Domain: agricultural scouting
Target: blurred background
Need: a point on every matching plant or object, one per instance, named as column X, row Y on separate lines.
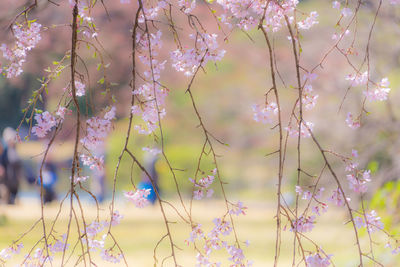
column 224, row 95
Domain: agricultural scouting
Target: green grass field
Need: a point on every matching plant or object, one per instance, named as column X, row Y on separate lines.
column 141, row 229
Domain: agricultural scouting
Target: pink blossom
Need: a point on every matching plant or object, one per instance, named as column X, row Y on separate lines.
column 346, row 12
column 93, row 162
column 303, row 224
column 238, row 209
column 27, row 37
column 373, row 222
column 45, row 121
column 380, row 93
column 358, row 79
column 98, row 129
column 264, row 114
column 107, row 255
column 309, row 21
column 197, row 232
column 317, row 260
column 336, row 4
column 337, row 198
column 309, row 99
column 78, row 179
column 80, row 88
column 304, row 132
column 354, row 153
column 139, row 197
column 116, row 218
column 352, row 123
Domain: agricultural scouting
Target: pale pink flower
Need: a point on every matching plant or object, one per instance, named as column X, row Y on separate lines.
column 346, row 12
column 336, row 4
column 116, row 218
column 303, row 224
column 351, row 122
column 139, row 197
column 238, row 209
column 45, row 121
column 309, row 21
column 107, row 255
column 264, row 114
column 317, row 260
column 80, row 88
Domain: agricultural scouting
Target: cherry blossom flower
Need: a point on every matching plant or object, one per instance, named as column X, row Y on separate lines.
column 139, row 197
column 336, row 4
column 27, row 37
column 45, row 121
column 197, row 232
column 303, row 224
column 380, row 93
column 346, row 12
column 309, row 21
column 264, row 114
column 317, row 260
column 358, row 79
column 78, row 179
column 98, row 129
column 80, row 88
column 373, row 222
column 106, row 254
column 304, row 132
column 351, row 122
column 203, row 185
column 93, row 162
column 116, row 218
column 337, row 198
column 238, row 209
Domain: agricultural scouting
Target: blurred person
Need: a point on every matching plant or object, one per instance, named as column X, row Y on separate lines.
column 50, row 178
column 3, row 187
column 98, row 180
column 151, row 166
column 12, row 164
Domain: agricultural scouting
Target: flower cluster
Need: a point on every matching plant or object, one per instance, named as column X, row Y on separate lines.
column 27, row 36
column 151, row 95
column 310, row 21
column 45, row 121
column 317, row 260
column 139, row 197
column 93, row 162
column 380, row 93
column 357, row 179
column 7, row 253
column 303, row 224
column 304, row 129
column 98, row 129
column 246, row 14
column 372, row 222
column 338, row 198
column 351, row 122
column 214, row 241
column 203, row 185
column 206, row 49
column 264, row 114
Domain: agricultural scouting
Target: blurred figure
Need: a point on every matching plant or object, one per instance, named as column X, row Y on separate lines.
column 98, row 180
column 150, row 165
column 12, row 164
column 50, row 177
column 3, row 187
